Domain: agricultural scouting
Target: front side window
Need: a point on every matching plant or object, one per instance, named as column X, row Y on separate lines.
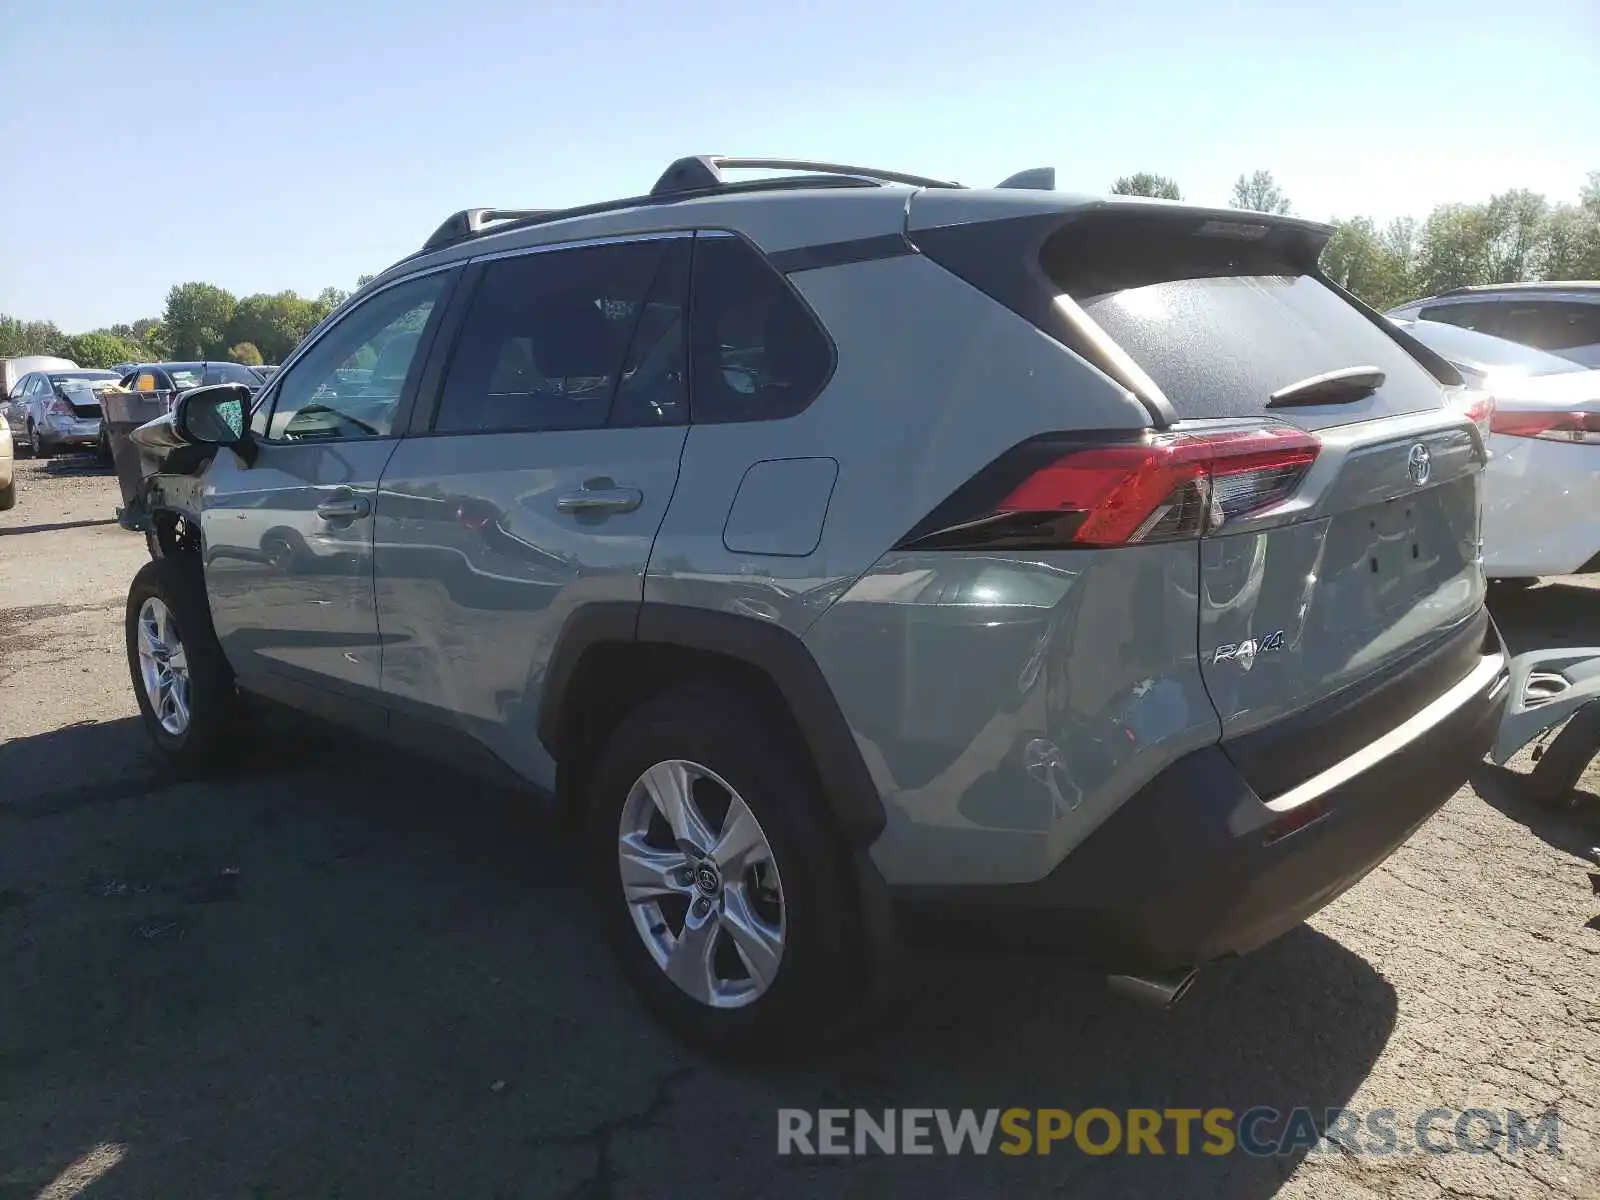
column 348, row 383
column 546, row 338
column 758, row 353
column 1472, row 314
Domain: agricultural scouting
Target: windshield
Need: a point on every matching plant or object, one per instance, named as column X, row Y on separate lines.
column 1485, row 353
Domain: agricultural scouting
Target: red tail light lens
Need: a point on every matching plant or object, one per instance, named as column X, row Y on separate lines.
column 1549, row 426
column 59, row 407
column 1479, row 408
column 1055, row 492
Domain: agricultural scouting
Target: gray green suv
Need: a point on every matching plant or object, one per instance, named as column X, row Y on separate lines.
column 856, row 556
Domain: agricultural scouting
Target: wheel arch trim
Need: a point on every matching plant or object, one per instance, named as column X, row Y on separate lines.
column 777, row 654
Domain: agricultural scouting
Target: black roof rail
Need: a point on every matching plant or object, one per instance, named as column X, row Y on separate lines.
column 685, row 179
column 470, row 222
column 705, row 171
column 1034, row 179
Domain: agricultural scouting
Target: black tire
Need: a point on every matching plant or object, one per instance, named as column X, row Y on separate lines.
column 152, row 543
column 8, row 496
column 206, row 741
column 816, row 996
column 35, row 447
column 102, row 450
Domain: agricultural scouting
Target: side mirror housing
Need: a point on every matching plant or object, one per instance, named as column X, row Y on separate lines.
column 216, row 415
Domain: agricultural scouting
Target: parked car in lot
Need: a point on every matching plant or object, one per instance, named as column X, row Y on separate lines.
column 58, row 410
column 8, row 479
column 13, row 369
column 853, row 552
column 1563, row 318
column 165, row 380
column 1541, row 495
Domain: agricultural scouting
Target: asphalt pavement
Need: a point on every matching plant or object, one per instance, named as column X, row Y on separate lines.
column 340, row 972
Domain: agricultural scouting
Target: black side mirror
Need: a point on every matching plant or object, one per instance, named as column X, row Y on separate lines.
column 216, row 415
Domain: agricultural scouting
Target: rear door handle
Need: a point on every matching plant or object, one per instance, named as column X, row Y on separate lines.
column 606, row 499
column 346, row 508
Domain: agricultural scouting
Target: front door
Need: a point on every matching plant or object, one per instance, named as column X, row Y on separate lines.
column 288, row 538
column 539, row 484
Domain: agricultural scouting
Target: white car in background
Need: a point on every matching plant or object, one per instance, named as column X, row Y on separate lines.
column 8, row 481
column 1541, row 494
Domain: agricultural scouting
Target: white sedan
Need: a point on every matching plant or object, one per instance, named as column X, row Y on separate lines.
column 1541, row 494
column 8, row 481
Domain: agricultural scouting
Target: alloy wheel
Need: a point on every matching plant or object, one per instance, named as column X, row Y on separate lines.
column 701, row 884
column 163, row 665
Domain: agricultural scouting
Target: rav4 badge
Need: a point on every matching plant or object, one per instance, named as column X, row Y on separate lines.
column 1244, row 653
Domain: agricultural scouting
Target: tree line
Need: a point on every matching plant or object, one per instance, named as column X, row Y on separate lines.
column 200, row 321
column 1514, row 236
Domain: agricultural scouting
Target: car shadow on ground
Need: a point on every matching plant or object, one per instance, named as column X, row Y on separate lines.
column 339, row 970
column 1574, row 828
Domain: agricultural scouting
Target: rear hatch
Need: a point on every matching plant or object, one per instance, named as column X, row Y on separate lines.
column 1328, row 616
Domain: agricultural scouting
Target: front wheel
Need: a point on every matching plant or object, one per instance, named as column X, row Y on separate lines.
column 720, row 880
column 182, row 680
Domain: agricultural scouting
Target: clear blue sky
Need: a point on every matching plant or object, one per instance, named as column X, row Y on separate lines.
column 300, row 143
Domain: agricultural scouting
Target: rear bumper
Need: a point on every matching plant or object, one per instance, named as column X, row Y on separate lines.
column 1197, row 867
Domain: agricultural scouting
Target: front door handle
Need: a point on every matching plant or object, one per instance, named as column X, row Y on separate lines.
column 345, row 508
column 601, row 500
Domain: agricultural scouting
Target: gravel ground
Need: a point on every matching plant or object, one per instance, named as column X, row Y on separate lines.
column 341, row 973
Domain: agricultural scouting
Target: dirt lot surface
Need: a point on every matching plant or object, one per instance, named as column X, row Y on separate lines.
column 342, row 973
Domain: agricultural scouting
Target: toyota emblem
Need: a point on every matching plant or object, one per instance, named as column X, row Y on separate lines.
column 1419, row 464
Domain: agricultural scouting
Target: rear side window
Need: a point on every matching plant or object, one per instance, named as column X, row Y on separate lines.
column 546, row 339
column 758, row 353
column 1220, row 325
column 1550, row 324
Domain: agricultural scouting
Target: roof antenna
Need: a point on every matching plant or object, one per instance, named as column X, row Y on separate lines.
column 1035, row 179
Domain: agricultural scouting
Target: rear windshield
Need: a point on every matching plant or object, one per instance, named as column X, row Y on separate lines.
column 65, row 376
column 1220, row 326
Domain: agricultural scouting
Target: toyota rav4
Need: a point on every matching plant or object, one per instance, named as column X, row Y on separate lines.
column 854, row 555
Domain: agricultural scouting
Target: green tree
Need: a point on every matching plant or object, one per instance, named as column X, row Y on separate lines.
column 330, row 298
column 196, row 320
column 30, row 337
column 1145, row 183
column 1514, row 224
column 246, row 353
column 1259, row 192
column 274, row 323
column 1370, row 263
column 98, row 350
column 1453, row 248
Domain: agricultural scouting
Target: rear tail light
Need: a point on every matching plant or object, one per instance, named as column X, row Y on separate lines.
column 1549, row 425
column 1054, row 492
column 60, row 407
column 1478, row 407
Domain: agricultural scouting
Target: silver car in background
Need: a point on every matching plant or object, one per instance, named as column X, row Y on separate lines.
column 55, row 410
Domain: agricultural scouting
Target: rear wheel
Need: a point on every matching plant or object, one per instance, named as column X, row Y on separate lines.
column 8, row 496
column 721, row 884
column 182, row 680
column 35, row 447
column 102, row 450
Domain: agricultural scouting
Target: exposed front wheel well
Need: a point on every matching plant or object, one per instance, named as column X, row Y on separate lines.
column 171, row 534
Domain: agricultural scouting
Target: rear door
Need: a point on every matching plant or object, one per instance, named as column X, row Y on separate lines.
column 537, row 483
column 288, row 537
column 1374, row 562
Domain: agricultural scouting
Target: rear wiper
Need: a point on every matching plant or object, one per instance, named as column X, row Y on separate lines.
column 1344, row 386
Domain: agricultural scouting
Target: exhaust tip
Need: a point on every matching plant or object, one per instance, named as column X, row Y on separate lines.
column 1155, row 991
